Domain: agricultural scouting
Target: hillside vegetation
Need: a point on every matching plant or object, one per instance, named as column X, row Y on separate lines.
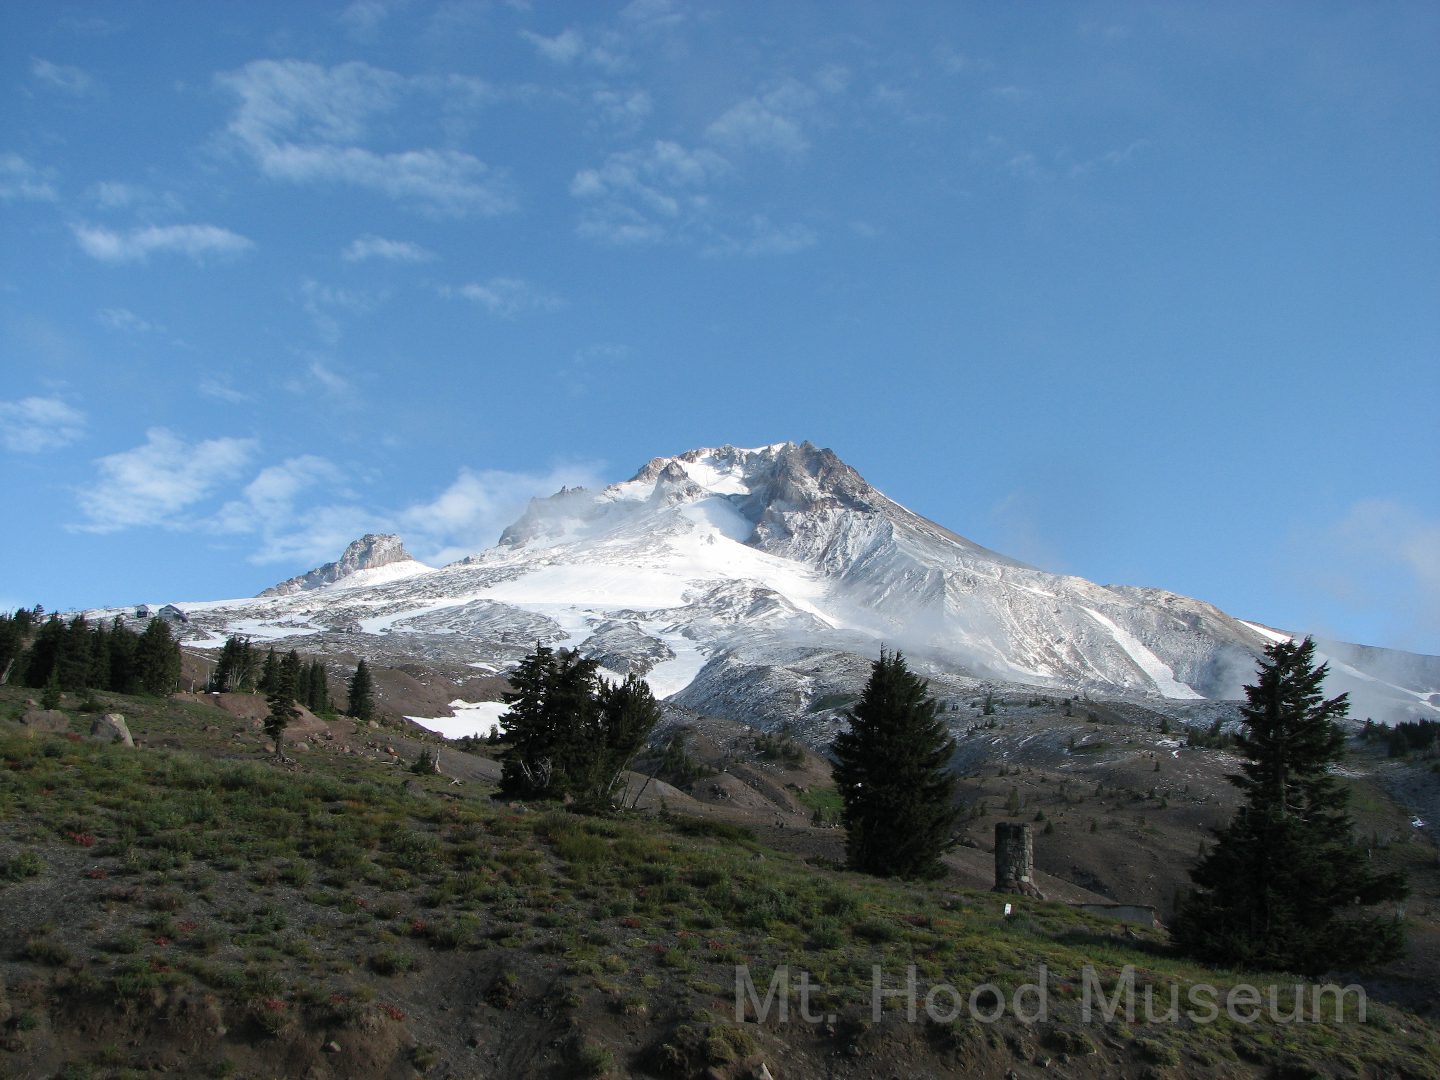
column 188, row 906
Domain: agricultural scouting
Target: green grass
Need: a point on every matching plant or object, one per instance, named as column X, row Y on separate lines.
column 234, row 877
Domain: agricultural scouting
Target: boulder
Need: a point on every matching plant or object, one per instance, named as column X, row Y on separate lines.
column 46, row 721
column 111, row 728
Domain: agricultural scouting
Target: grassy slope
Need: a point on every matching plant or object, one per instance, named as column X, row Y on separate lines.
column 205, row 911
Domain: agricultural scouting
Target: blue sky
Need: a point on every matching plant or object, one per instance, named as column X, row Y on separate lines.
column 1148, row 293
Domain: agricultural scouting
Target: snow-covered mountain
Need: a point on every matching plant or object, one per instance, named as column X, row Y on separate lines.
column 760, row 583
column 374, row 558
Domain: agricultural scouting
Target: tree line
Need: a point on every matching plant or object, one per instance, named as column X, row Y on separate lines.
column 75, row 655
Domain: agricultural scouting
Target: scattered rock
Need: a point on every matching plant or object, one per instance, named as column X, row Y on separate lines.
column 46, row 721
column 331, row 1047
column 111, row 728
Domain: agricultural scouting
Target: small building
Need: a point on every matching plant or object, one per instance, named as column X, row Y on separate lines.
column 171, row 613
column 142, row 611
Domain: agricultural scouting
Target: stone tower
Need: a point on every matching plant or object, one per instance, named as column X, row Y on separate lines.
column 1015, row 859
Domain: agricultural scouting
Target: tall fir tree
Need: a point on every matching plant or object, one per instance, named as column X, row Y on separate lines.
column 282, row 711
column 157, row 660
column 892, row 771
column 360, row 694
column 1285, row 886
column 269, row 672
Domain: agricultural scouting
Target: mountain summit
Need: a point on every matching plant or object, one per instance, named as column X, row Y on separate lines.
column 759, row 583
column 371, row 552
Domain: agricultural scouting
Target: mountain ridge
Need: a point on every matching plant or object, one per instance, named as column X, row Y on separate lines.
column 721, row 570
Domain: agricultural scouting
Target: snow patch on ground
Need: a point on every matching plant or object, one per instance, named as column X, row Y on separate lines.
column 471, row 718
column 1158, row 671
column 1266, row 632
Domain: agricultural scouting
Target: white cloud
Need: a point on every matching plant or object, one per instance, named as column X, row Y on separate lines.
column 153, row 484
column 507, row 297
column 761, row 237
column 570, row 45
column 62, row 77
column 652, row 15
column 758, row 124
column 119, row 195
column 624, row 110
column 323, row 302
column 563, row 48
column 363, row 17
column 267, row 503
column 35, row 424
column 19, row 180
column 320, row 377
column 644, row 195
column 126, row 320
column 377, row 247
column 220, row 388
column 466, row 517
column 195, row 241
column 303, row 123
column 1384, row 556
column 470, row 514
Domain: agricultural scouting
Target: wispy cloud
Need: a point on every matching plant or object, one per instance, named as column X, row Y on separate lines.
column 602, row 49
column 220, row 388
column 268, row 503
column 1383, row 555
column 156, row 482
column 19, row 180
column 62, row 77
column 118, row 318
column 470, row 514
column 319, row 377
column 325, row 303
column 120, row 195
column 768, row 122
column 197, row 242
column 508, row 296
column 377, row 247
column 363, row 17
column 36, row 424
column 303, row 123
column 760, row 236
column 639, row 196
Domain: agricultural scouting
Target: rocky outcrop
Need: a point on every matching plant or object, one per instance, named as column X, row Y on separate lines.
column 111, row 728
column 370, row 552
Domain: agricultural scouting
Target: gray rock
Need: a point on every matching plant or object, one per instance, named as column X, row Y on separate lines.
column 111, row 728
column 47, row 721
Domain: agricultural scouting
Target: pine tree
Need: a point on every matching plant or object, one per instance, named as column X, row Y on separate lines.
column 892, row 770
column 361, row 693
column 157, row 660
column 123, row 646
column 1285, row 886
column 281, row 703
column 571, row 733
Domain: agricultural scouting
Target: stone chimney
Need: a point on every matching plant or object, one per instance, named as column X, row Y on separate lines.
column 1015, row 860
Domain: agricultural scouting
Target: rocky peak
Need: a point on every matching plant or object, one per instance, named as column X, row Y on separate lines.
column 371, row 551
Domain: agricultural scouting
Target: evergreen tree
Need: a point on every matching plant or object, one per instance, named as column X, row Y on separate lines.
column 317, row 691
column 124, row 643
column 1285, row 886
column 157, row 660
column 282, row 711
column 571, row 733
column 892, row 771
column 12, row 643
column 74, row 658
column 360, row 693
column 45, row 651
column 269, row 673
